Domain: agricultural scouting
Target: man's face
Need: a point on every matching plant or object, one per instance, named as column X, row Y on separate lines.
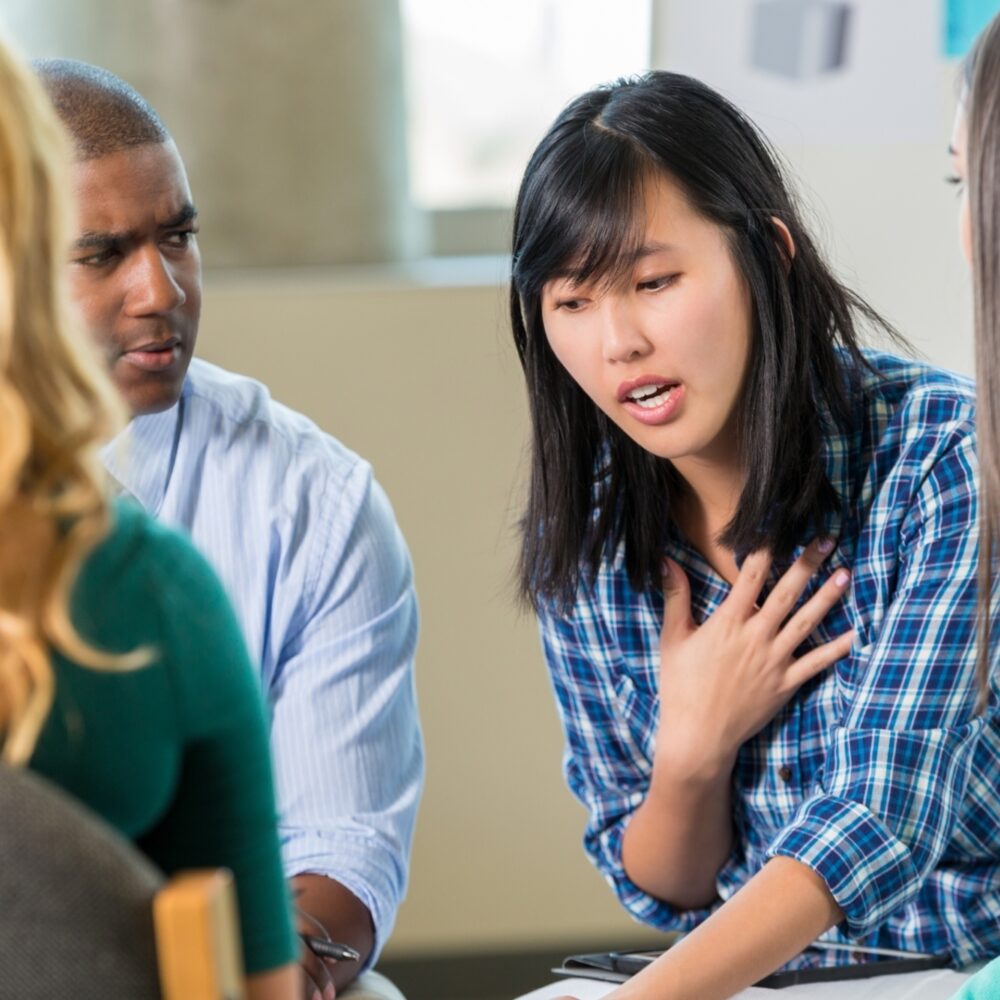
column 135, row 270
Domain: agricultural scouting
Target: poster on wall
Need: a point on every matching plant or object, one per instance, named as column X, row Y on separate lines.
column 816, row 71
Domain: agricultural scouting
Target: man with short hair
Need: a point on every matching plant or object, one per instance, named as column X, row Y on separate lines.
column 294, row 523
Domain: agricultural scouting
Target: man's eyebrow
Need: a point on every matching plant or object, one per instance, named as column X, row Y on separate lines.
column 187, row 213
column 94, row 240
column 98, row 241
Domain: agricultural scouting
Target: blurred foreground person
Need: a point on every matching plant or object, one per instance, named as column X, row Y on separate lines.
column 975, row 150
column 123, row 674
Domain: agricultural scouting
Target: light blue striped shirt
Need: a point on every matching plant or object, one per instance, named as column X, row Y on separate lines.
column 307, row 546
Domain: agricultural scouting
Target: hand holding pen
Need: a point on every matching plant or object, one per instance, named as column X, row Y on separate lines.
column 319, row 950
column 325, row 948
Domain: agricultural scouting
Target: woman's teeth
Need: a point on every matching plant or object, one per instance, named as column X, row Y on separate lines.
column 650, row 396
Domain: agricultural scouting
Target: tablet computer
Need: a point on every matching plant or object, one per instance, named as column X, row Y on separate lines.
column 820, row 963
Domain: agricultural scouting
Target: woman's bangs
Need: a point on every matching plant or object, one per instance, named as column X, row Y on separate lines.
column 589, row 221
column 607, row 230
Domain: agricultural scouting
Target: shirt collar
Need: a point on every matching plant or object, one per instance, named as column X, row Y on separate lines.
column 140, row 458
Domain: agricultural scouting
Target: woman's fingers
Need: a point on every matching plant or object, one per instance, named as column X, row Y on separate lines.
column 677, row 620
column 819, row 659
column 803, row 623
column 753, row 573
column 794, row 581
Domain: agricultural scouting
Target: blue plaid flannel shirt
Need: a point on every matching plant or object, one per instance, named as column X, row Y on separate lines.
column 877, row 775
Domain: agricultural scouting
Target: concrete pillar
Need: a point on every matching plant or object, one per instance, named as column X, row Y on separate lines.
column 289, row 114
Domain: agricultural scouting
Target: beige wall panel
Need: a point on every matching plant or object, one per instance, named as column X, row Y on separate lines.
column 424, row 384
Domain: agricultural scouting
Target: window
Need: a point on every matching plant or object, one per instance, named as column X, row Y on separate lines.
column 484, row 81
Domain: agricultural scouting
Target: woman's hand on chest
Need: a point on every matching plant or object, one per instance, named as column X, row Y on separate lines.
column 723, row 681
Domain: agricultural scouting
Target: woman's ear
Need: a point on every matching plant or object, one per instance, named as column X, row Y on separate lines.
column 785, row 236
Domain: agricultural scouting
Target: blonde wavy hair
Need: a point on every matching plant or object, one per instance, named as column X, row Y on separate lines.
column 57, row 406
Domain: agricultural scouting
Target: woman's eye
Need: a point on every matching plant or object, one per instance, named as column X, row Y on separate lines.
column 570, row 305
column 955, row 181
column 656, row 284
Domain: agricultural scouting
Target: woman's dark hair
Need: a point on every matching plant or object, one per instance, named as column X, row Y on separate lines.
column 580, row 214
column 982, row 111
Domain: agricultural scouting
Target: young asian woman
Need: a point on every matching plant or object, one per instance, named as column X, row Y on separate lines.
column 751, row 546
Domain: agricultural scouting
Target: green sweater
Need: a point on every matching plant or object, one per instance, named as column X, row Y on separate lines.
column 175, row 754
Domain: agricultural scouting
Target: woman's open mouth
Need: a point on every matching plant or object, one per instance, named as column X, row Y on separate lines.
column 651, row 396
column 653, row 402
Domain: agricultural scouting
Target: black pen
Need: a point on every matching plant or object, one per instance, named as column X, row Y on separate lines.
column 323, row 948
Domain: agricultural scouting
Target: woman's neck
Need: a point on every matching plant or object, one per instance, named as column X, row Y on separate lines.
column 706, row 506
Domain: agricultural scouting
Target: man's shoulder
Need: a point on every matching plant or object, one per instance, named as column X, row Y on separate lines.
column 236, row 401
column 138, row 557
column 238, row 413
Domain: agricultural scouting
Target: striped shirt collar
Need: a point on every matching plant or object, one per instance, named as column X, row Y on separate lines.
column 154, row 436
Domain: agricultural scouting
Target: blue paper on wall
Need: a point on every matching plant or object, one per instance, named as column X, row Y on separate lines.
column 963, row 20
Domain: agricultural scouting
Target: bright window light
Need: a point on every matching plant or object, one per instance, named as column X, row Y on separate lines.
column 485, row 78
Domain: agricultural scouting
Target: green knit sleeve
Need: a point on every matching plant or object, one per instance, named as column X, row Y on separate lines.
column 223, row 811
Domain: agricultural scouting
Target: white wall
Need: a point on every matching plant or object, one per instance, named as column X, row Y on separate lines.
column 887, row 219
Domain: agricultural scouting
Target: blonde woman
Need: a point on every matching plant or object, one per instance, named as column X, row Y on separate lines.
column 123, row 676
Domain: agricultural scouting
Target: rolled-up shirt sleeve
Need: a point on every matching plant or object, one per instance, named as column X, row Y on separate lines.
column 345, row 732
column 884, row 805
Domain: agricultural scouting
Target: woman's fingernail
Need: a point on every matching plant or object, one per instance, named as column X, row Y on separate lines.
column 825, row 545
column 841, row 578
column 665, row 569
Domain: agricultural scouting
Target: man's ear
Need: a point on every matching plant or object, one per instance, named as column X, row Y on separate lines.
column 785, row 237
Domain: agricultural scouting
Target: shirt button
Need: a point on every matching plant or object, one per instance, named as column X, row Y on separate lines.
column 785, row 773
